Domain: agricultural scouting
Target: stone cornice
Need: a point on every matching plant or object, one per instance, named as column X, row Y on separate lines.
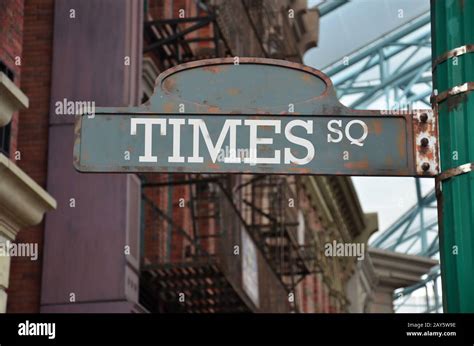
column 22, row 201
column 395, row 270
column 371, row 226
column 369, row 274
column 12, row 99
column 336, row 201
column 347, row 204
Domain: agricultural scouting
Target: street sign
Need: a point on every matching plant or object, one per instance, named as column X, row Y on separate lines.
column 254, row 116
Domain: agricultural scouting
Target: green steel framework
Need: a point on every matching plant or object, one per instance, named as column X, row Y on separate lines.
column 397, row 70
column 452, row 29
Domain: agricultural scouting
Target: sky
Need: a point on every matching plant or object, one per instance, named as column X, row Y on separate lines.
column 390, row 197
column 341, row 33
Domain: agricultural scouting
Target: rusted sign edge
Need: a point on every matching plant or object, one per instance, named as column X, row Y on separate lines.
column 77, row 143
column 425, row 125
column 328, row 99
column 418, row 155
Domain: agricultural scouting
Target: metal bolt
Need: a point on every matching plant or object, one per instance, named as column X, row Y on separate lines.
column 424, row 117
column 425, row 166
column 425, row 142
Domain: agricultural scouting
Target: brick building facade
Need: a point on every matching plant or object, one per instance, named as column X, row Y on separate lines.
column 32, row 141
column 22, row 184
column 119, row 242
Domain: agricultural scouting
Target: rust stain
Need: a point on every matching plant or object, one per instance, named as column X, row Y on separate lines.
column 428, row 130
column 378, row 127
column 233, row 91
column 85, row 156
column 307, row 77
column 213, row 109
column 300, row 170
column 453, row 102
column 426, row 153
column 77, row 127
column 215, row 68
column 213, row 166
column 168, row 107
column 169, row 84
column 220, row 64
column 357, row 165
column 402, row 146
column 122, row 125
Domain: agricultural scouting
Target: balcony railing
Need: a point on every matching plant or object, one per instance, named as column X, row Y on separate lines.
column 193, row 250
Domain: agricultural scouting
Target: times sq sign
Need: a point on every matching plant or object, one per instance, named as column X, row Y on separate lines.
column 253, row 115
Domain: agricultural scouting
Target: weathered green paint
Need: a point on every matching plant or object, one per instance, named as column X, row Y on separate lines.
column 451, row 28
column 217, row 91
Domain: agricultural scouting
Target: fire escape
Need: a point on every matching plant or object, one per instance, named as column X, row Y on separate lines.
column 192, row 223
column 270, row 205
column 193, row 268
column 170, row 39
column 185, row 273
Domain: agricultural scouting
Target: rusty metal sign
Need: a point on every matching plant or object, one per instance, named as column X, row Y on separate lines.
column 254, row 116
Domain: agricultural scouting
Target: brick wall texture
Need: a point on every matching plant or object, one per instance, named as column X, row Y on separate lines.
column 32, row 137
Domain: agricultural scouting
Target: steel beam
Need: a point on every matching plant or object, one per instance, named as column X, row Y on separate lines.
column 329, row 6
column 374, row 48
column 394, row 79
column 428, row 199
column 452, row 28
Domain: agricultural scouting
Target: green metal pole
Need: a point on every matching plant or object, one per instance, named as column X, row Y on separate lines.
column 452, row 28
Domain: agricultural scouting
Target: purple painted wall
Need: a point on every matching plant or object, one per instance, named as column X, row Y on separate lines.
column 84, row 245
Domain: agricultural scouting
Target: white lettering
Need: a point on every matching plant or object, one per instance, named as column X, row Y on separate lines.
column 176, row 140
column 37, row 329
column 229, row 126
column 148, row 122
column 289, row 158
column 255, row 141
column 336, row 131
column 364, row 134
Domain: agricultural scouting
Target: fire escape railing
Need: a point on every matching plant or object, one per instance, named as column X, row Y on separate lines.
column 179, row 256
column 272, row 208
column 185, row 241
column 170, row 39
column 206, row 240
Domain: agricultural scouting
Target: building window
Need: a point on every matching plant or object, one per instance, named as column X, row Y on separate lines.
column 5, row 131
column 5, row 139
column 6, row 70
